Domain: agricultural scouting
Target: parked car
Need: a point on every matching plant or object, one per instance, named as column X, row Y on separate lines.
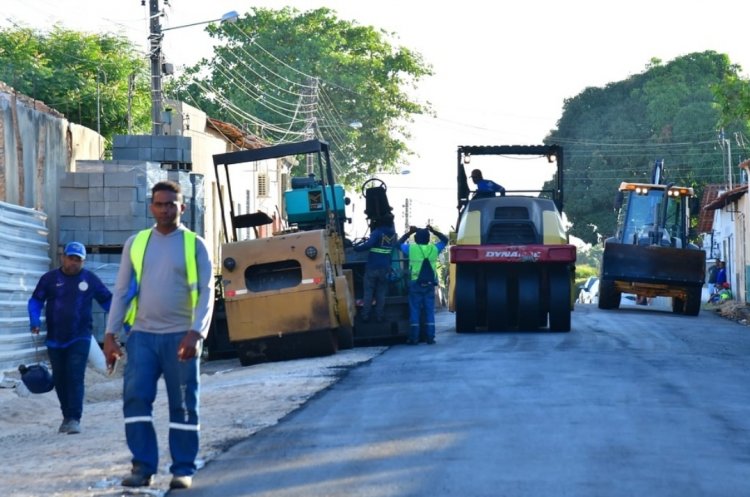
column 589, row 293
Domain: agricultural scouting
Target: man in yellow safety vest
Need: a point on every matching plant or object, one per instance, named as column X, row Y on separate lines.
column 423, row 256
column 163, row 299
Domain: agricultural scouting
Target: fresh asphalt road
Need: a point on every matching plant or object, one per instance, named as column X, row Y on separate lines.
column 636, row 402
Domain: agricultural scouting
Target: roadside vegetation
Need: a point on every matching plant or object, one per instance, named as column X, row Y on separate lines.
column 287, row 75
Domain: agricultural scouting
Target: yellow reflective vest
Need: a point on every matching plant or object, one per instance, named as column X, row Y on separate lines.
column 138, row 253
column 417, row 254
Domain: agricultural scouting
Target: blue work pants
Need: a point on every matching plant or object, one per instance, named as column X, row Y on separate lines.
column 151, row 355
column 68, row 373
column 421, row 299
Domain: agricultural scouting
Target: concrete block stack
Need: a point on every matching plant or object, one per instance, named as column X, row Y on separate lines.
column 104, row 202
column 174, row 151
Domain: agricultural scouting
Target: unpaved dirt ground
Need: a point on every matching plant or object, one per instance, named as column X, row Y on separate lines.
column 236, row 402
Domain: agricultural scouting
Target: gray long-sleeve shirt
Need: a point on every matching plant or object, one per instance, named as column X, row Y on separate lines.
column 164, row 298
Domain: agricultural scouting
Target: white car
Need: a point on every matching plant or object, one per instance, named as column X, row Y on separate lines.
column 589, row 293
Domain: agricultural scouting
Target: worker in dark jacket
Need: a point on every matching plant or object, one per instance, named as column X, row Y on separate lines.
column 721, row 276
column 380, row 245
column 67, row 294
column 423, row 256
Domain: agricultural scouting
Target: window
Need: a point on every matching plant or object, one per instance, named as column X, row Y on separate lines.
column 263, row 184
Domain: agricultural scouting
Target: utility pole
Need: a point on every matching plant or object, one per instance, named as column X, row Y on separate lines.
column 310, row 103
column 407, row 214
column 131, row 91
column 99, row 111
column 729, row 160
column 157, row 63
column 154, row 38
column 726, row 143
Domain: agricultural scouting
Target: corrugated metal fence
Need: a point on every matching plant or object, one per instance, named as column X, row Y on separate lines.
column 24, row 259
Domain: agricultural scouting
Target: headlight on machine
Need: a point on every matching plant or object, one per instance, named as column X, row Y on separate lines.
column 311, row 252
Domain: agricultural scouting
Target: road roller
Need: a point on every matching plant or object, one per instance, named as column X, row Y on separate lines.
column 511, row 266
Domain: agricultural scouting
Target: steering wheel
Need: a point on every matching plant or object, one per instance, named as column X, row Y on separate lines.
column 377, row 182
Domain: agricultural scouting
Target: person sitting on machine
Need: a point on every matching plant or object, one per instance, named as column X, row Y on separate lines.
column 485, row 188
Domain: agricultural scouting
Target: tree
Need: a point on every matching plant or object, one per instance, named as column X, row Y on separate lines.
column 615, row 134
column 733, row 99
column 285, row 74
column 87, row 77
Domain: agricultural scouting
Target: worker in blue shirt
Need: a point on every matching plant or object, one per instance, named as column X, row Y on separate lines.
column 721, row 275
column 67, row 295
column 485, row 187
column 380, row 247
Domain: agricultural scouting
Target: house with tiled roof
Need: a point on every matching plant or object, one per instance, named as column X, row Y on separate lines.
column 706, row 221
column 723, row 224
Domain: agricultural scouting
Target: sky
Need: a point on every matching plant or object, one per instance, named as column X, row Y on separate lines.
column 503, row 70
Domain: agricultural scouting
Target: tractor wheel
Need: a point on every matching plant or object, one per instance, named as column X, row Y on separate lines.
column 559, row 299
column 693, row 302
column 678, row 305
column 528, row 298
column 609, row 297
column 466, row 299
column 498, row 308
column 251, row 352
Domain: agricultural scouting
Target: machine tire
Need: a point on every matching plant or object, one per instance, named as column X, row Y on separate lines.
column 529, row 291
column 609, row 298
column 317, row 343
column 313, row 343
column 498, row 306
column 252, row 352
column 466, row 299
column 345, row 337
column 344, row 301
column 678, row 305
column 693, row 302
column 559, row 299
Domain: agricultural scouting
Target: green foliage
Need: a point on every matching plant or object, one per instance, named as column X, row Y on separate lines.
column 592, row 257
column 615, row 134
column 84, row 76
column 733, row 99
column 587, row 263
column 584, row 271
column 275, row 71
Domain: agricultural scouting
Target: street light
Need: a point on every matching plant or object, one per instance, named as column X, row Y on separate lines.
column 230, row 16
column 155, row 38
